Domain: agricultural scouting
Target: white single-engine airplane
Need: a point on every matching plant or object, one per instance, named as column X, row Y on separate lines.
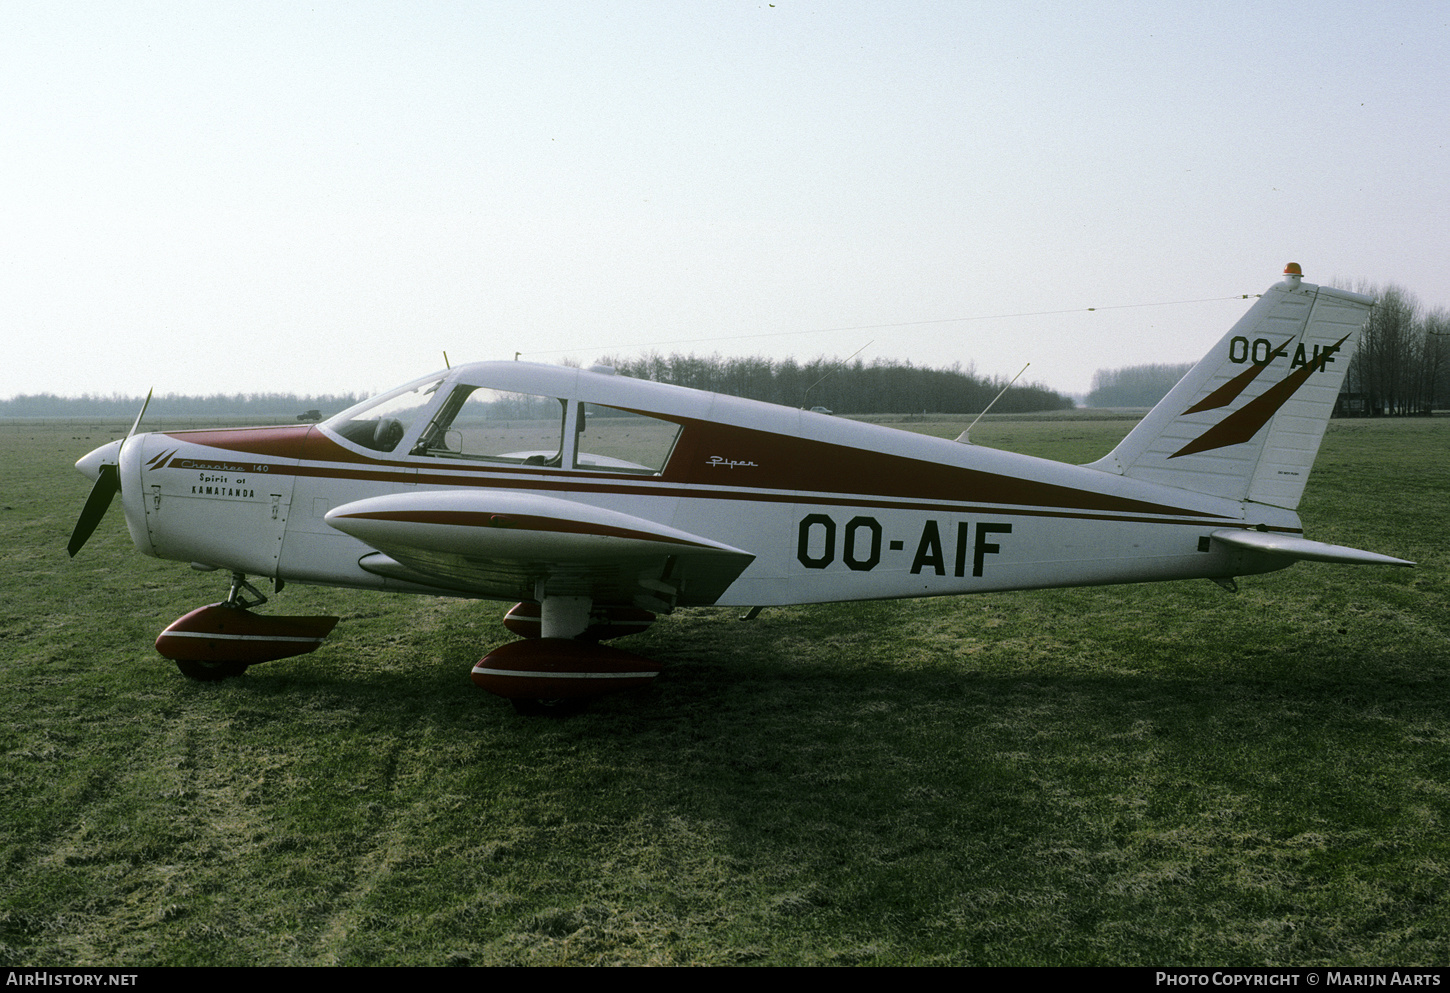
column 597, row 501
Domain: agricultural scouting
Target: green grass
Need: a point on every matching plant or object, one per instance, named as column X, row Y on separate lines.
column 1131, row 775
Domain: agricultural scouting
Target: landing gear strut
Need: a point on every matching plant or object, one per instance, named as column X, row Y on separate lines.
column 236, row 596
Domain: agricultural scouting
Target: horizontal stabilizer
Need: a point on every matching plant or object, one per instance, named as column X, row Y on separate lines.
column 1302, row 548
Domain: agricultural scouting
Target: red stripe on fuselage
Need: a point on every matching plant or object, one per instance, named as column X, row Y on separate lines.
column 279, row 442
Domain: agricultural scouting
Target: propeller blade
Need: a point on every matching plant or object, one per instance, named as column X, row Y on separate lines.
column 137, row 423
column 108, row 484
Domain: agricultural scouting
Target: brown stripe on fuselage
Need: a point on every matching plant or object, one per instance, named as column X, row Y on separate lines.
column 788, row 463
column 797, row 470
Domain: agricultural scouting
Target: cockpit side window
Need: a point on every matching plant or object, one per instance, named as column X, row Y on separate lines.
column 484, row 424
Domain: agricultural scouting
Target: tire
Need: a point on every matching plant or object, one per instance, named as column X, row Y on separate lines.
column 550, row 708
column 210, row 672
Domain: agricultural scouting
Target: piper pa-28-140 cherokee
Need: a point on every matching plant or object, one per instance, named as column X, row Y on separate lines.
column 598, row 501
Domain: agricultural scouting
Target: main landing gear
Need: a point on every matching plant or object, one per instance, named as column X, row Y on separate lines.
column 559, row 665
column 221, row 640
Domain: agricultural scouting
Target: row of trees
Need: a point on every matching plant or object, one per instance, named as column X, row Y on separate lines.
column 175, row 405
column 1402, row 364
column 1134, row 386
column 883, row 386
column 1400, row 367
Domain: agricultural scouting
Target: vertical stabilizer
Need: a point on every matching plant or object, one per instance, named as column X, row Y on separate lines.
column 1246, row 422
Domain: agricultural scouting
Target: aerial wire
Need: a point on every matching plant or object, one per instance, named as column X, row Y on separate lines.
column 874, row 327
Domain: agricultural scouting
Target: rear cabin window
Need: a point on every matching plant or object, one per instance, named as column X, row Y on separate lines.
column 614, row 440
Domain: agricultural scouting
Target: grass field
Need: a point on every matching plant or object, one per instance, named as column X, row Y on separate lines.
column 1129, row 775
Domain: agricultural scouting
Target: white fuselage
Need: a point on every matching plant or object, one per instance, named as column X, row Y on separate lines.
column 815, row 508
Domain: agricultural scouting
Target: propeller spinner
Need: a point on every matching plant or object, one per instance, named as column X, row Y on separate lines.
column 104, row 464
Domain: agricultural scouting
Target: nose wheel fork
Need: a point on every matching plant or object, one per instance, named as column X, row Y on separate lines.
column 237, row 595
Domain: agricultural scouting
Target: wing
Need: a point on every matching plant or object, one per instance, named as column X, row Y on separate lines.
column 513, row 546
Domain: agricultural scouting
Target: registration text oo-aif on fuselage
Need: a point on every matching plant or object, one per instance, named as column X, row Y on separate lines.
column 596, row 501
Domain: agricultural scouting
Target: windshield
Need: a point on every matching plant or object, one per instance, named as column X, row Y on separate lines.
column 383, row 421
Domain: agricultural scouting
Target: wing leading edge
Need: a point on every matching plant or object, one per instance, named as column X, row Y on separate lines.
column 517, row 546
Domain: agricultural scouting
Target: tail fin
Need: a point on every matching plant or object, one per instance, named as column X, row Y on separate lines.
column 1246, row 421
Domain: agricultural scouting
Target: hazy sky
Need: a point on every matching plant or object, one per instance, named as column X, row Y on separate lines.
column 323, row 197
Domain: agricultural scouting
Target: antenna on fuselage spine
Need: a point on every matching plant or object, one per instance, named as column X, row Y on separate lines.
column 965, row 437
column 838, row 367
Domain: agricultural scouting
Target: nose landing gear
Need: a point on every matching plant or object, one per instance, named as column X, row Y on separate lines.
column 221, row 640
